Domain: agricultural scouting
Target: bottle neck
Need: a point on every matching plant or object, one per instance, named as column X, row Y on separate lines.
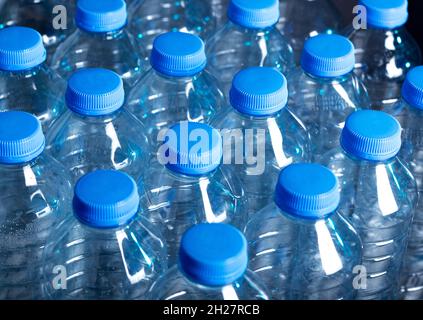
column 109, row 35
column 27, row 73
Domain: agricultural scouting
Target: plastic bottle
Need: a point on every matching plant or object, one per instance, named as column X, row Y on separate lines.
column 301, row 246
column 384, row 50
column 378, row 196
column 325, row 90
column 96, row 132
column 26, row 82
column 261, row 134
column 212, row 265
column 106, row 249
column 34, row 191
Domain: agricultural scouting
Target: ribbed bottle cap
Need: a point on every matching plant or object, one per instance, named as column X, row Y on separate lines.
column 21, row 48
column 371, row 135
column 105, row 199
column 307, row 190
column 386, row 14
column 95, row 92
column 412, row 89
column 213, row 254
column 259, row 91
column 254, row 14
column 100, row 16
column 328, row 55
column 178, row 54
column 21, row 137
column 193, row 149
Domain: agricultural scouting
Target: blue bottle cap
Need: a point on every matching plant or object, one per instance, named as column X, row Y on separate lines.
column 105, row 199
column 192, row 149
column 100, row 16
column 21, row 48
column 213, row 254
column 95, row 92
column 21, row 137
column 307, row 190
column 254, row 14
column 412, row 89
column 371, row 135
column 328, row 56
column 259, row 91
column 178, row 54
column 386, row 14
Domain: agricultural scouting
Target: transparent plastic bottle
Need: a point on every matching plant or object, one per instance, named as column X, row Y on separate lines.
column 186, row 184
column 34, row 191
column 26, row 82
column 248, row 39
column 177, row 87
column 106, row 248
column 96, row 132
column 101, row 40
column 261, row 134
column 409, row 112
column 212, row 265
column 385, row 51
column 301, row 246
column 325, row 90
column 378, row 196
column 302, row 19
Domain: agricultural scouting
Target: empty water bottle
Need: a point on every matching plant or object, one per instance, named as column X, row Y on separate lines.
column 249, row 38
column 212, row 265
column 34, row 191
column 178, row 87
column 301, row 246
column 261, row 134
column 96, row 132
column 325, row 90
column 106, row 249
column 378, row 196
column 186, row 184
column 26, row 82
column 384, row 50
column 101, row 40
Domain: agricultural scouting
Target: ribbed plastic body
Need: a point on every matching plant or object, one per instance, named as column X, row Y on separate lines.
column 299, row 259
column 301, row 19
column 175, row 202
column 34, row 196
column 102, row 264
column 323, row 104
column 37, row 90
column 233, row 48
column 175, row 286
column 378, row 198
column 86, row 143
column 204, row 17
column 159, row 101
column 115, row 50
column 258, row 147
column 377, row 50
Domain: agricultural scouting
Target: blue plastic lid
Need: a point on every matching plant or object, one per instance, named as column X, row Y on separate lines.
column 192, row 148
column 328, row 56
column 178, row 54
column 254, row 14
column 105, row 199
column 259, row 91
column 95, row 92
column 213, row 254
column 306, row 190
column 412, row 89
column 21, row 137
column 100, row 16
column 386, row 14
column 371, row 135
column 21, row 48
